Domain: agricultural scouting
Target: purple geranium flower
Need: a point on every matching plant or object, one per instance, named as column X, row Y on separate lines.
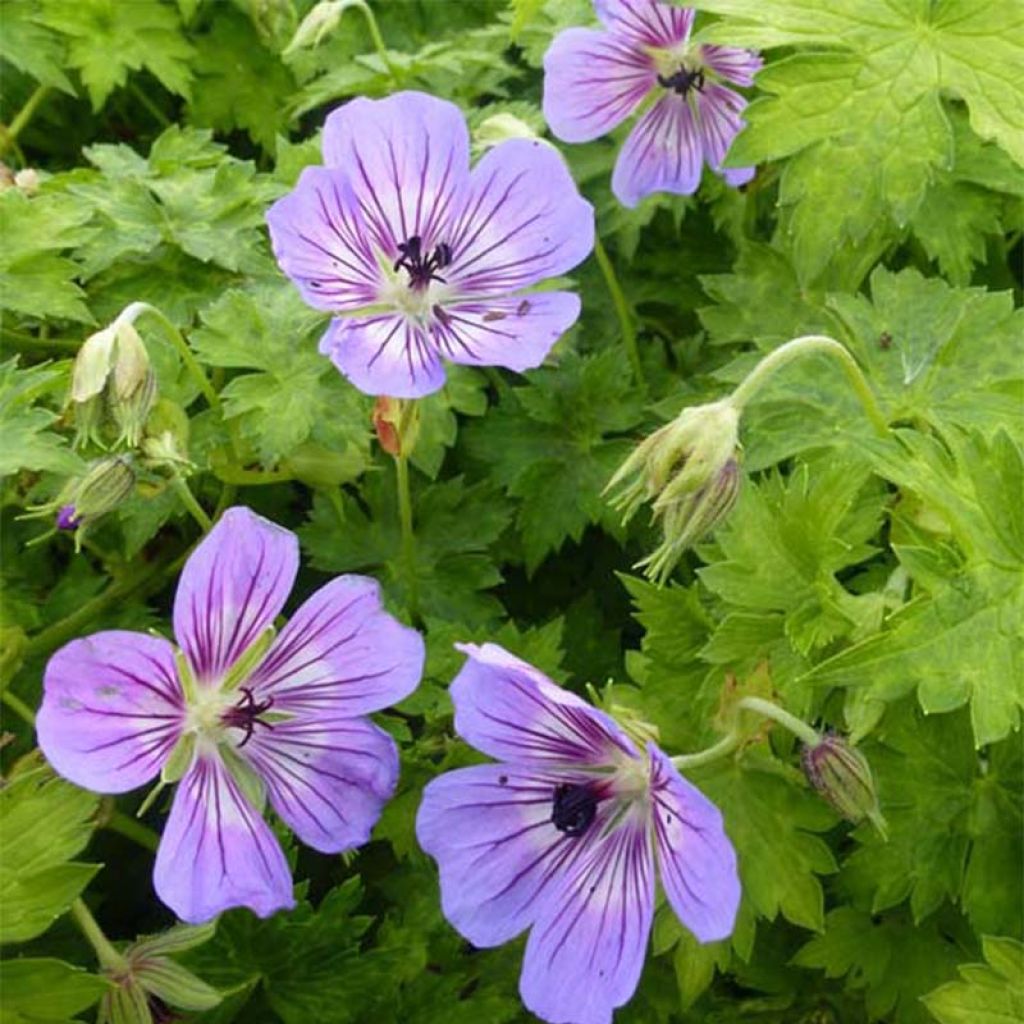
column 562, row 837
column 594, row 80
column 424, row 258
column 239, row 715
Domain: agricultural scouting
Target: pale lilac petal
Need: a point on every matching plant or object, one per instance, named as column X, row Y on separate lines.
column 645, row 22
column 732, row 63
column 407, row 157
column 328, row 777
column 341, row 655
column 217, row 852
column 592, row 82
column 489, row 829
column 696, row 861
column 112, row 710
column 509, row 710
column 320, row 241
column 719, row 112
column 587, row 947
column 662, row 154
column 515, row 332
column 384, row 354
column 523, row 220
column 232, row 588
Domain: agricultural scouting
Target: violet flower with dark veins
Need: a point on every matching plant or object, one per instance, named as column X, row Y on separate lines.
column 564, row 836
column 423, row 259
column 594, row 79
column 239, row 715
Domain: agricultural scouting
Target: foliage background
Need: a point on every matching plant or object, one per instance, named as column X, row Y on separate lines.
column 873, row 586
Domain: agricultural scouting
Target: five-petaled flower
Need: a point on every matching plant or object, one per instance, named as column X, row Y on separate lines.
column 239, row 715
column 562, row 837
column 421, row 258
column 593, row 80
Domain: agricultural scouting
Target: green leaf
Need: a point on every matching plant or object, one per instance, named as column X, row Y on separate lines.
column 30, row 46
column 894, row 962
column 555, row 443
column 865, row 126
column 107, row 39
column 35, row 280
column 454, row 526
column 46, row 991
column 986, row 994
column 44, row 822
column 28, row 443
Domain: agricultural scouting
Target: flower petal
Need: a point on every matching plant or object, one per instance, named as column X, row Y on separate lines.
column 645, row 22
column 587, row 947
column 321, row 242
column 662, row 154
column 732, row 63
column 217, row 852
column 340, row 655
column 515, row 332
column 112, row 710
column 719, row 111
column 384, row 355
column 328, row 777
column 407, row 157
column 232, row 588
column 523, row 221
column 489, row 829
column 509, row 710
column 696, row 861
column 592, row 82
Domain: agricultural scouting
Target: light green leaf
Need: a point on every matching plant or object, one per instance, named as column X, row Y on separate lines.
column 46, row 991
column 30, row 46
column 986, row 994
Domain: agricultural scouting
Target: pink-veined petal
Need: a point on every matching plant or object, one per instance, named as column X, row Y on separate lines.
column 509, row 710
column 523, row 220
column 646, row 23
column 587, row 947
column 341, row 655
column 489, row 828
column 696, row 861
column 663, row 153
column 592, row 82
column 321, row 242
column 232, row 588
column 407, row 157
column 385, row 354
column 719, row 112
column 328, row 777
column 217, row 852
column 112, row 710
column 732, row 63
column 515, row 332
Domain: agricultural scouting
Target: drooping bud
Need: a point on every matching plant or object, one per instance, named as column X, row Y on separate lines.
column 498, row 128
column 107, row 484
column 842, row 775
column 689, row 472
column 321, row 21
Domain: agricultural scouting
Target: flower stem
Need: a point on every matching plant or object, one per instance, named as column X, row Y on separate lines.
column 797, row 726
column 128, row 827
column 795, row 349
column 19, row 707
column 408, row 537
column 132, row 312
column 14, row 129
column 378, row 40
column 154, row 111
column 188, row 499
column 622, row 310
column 108, row 957
column 726, row 745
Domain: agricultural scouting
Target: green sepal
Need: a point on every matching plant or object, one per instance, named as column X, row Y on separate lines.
column 250, row 658
column 180, row 760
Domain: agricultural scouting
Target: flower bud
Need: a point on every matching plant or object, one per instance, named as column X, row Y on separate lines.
column 107, row 484
column 397, row 424
column 321, row 20
column 689, row 472
column 842, row 775
column 500, row 127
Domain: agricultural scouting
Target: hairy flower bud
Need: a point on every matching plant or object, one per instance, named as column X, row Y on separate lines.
column 689, row 472
column 321, row 21
column 107, row 484
column 842, row 775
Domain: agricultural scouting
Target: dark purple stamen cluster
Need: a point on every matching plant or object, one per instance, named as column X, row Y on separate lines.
column 423, row 268
column 573, row 808
column 683, row 81
column 246, row 714
column 68, row 518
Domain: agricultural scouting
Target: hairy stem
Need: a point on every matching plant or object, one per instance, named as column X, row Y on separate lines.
column 188, row 499
column 795, row 725
column 127, row 826
column 408, row 537
column 726, row 745
column 108, row 957
column 21, row 119
column 622, row 311
column 796, row 349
